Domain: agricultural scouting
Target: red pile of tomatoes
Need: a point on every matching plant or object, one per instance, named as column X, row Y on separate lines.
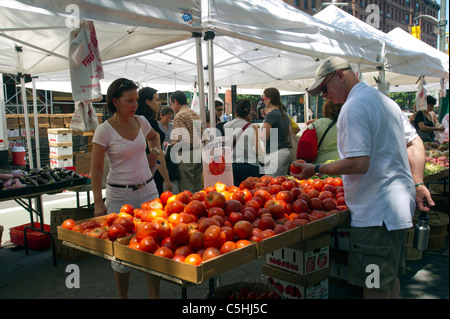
column 193, row 228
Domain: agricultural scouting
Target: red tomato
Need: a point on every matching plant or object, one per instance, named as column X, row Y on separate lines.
column 196, row 240
column 145, row 229
column 214, row 199
column 286, row 196
column 178, row 258
column 242, row 243
column 216, row 211
column 196, row 207
column 266, row 223
column 212, row 236
column 183, row 197
column 148, row 244
column 180, row 234
column 337, row 181
column 174, row 206
column 227, row 247
column 243, row 229
column 116, row 231
column 206, row 222
column 328, row 204
column 200, row 196
column 193, row 259
column 233, row 206
column 234, row 217
column 110, row 218
column 162, row 227
column 165, row 196
column 127, row 209
column 78, row 228
column 300, row 206
column 211, row 252
column 183, row 250
column 126, row 222
column 69, row 224
column 164, row 251
column 295, row 169
column 315, row 203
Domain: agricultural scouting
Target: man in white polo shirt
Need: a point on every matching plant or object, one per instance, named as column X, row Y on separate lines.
column 382, row 163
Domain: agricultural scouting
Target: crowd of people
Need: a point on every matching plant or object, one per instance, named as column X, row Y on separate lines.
column 376, row 158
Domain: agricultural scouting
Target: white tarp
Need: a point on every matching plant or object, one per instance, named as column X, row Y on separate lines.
column 429, row 62
column 257, row 43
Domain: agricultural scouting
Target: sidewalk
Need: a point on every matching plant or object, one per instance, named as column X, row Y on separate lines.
column 33, row 276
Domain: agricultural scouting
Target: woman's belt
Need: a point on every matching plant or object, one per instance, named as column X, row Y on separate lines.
column 133, row 187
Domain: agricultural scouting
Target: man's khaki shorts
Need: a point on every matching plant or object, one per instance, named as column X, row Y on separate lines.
column 376, row 255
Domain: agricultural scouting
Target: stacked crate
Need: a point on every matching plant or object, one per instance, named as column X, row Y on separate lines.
column 301, row 270
column 61, row 147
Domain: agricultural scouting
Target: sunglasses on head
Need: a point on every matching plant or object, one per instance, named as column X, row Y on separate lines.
column 125, row 85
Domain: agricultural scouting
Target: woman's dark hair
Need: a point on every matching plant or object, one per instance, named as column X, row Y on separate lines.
column 143, row 108
column 243, row 108
column 179, row 96
column 331, row 110
column 115, row 90
column 275, row 98
column 431, row 100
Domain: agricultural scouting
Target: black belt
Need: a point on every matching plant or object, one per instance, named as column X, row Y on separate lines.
column 134, row 187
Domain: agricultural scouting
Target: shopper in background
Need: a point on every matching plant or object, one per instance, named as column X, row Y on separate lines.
column 219, row 117
column 148, row 106
column 165, row 124
column 382, row 163
column 187, row 120
column 244, row 137
column 123, row 139
column 278, row 156
column 425, row 121
column 328, row 149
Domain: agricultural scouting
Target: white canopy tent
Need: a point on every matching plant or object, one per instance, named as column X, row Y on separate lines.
column 433, row 64
column 256, row 42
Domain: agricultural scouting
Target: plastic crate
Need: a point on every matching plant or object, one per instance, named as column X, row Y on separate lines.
column 35, row 240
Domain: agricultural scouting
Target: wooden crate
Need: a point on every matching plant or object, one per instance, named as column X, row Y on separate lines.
column 438, row 230
column 57, row 218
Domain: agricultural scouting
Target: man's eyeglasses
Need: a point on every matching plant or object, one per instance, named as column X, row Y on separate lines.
column 323, row 88
column 219, row 110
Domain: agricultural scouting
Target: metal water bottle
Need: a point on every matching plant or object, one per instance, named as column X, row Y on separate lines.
column 422, row 232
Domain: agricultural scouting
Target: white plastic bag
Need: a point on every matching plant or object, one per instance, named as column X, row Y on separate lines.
column 421, row 96
column 85, row 64
column 84, row 118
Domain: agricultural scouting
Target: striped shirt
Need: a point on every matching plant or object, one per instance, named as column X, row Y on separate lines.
column 187, row 119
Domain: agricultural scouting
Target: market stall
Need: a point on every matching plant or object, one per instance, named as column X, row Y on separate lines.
column 251, row 223
column 25, row 194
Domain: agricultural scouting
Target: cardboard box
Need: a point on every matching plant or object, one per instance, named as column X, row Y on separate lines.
column 56, row 120
column 340, row 237
column 14, row 132
column 83, row 163
column 59, row 135
column 57, row 217
column 12, row 121
column 68, row 119
column 43, row 120
column 304, row 257
column 294, row 286
column 286, row 238
column 58, row 161
column 91, row 243
column 61, row 149
column 180, row 270
column 23, row 131
column 339, row 264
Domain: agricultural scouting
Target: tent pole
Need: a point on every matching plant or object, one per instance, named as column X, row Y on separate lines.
column 201, row 80
column 36, row 126
column 209, row 37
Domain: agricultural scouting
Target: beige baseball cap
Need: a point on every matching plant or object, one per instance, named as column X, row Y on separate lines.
column 328, row 66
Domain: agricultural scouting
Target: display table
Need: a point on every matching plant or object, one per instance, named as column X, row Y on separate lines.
column 25, row 195
column 187, row 275
column 442, row 175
